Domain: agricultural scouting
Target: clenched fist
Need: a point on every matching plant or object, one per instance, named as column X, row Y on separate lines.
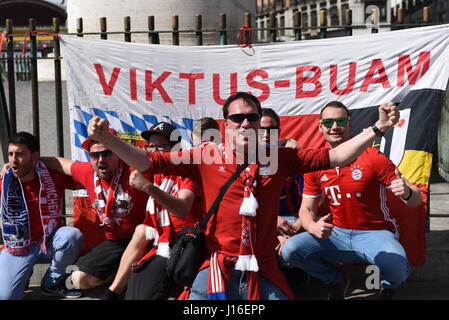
column 388, row 116
column 138, row 181
column 98, row 129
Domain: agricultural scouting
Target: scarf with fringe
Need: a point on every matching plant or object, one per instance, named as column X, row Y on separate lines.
column 15, row 215
column 158, row 223
column 246, row 261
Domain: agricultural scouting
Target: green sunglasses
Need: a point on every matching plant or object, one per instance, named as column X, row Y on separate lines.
column 329, row 122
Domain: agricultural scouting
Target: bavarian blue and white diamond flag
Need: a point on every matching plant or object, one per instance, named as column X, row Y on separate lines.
column 135, row 85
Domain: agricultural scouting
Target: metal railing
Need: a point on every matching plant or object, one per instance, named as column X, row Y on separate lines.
column 24, row 68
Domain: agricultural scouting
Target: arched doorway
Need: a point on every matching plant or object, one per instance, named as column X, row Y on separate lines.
column 20, row 11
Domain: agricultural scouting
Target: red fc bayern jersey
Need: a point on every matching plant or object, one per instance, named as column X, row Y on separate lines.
column 356, row 193
column 130, row 203
column 196, row 212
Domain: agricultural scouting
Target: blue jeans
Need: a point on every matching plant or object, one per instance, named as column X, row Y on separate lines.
column 63, row 248
column 237, row 288
column 377, row 247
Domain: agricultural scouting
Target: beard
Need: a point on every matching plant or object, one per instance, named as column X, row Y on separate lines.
column 104, row 172
column 105, row 175
column 22, row 171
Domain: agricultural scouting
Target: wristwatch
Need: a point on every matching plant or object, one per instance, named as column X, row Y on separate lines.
column 377, row 131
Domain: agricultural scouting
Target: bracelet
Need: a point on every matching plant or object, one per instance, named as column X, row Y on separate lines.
column 377, row 131
column 409, row 195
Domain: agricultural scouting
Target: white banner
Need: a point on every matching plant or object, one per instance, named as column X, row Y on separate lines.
column 135, row 85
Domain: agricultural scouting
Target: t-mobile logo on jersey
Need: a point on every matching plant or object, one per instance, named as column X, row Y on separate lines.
column 333, row 192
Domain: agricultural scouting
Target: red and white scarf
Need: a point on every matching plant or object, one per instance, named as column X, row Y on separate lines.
column 158, row 223
column 18, row 242
column 104, row 208
column 159, row 219
column 247, row 261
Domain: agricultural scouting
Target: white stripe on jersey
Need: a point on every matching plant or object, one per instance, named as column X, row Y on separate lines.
column 386, row 210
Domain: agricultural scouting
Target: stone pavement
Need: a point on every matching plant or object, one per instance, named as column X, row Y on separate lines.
column 427, row 282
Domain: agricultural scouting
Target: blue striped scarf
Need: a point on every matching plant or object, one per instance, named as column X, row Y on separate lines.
column 15, row 215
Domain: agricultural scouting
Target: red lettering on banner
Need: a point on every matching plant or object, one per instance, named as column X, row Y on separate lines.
column 376, row 66
column 259, row 85
column 309, row 82
column 133, row 84
column 300, row 80
column 107, row 88
column 334, row 77
column 216, row 87
column 282, row 84
column 150, row 86
column 421, row 67
column 192, row 89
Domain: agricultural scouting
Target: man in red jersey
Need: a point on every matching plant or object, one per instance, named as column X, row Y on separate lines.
column 174, row 202
column 30, row 215
column 119, row 206
column 359, row 227
column 241, row 236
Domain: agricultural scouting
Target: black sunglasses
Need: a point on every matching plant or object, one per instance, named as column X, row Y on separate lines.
column 269, row 128
column 160, row 147
column 240, row 117
column 96, row 155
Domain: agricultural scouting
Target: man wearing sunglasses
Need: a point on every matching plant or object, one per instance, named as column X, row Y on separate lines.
column 359, row 227
column 291, row 190
column 174, row 200
column 290, row 198
column 120, row 208
column 241, row 237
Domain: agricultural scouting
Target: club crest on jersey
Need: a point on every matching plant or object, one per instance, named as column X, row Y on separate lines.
column 357, row 172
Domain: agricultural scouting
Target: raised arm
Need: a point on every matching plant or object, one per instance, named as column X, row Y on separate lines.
column 179, row 206
column 133, row 156
column 59, row 164
column 348, row 151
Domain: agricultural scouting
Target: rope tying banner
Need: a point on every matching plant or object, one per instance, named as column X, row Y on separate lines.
column 27, row 34
column 241, row 36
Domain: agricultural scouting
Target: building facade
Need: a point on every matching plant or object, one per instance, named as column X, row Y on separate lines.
column 310, row 16
column 163, row 11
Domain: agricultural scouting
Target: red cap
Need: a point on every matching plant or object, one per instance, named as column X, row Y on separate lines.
column 88, row 141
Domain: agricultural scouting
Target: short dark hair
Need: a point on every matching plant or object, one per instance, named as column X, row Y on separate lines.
column 268, row 112
column 202, row 125
column 205, row 123
column 27, row 139
column 335, row 104
column 247, row 97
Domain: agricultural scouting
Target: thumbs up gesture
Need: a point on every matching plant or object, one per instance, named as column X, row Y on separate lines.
column 399, row 186
column 322, row 229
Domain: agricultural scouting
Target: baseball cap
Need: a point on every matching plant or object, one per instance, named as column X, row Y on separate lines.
column 163, row 128
column 88, row 141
